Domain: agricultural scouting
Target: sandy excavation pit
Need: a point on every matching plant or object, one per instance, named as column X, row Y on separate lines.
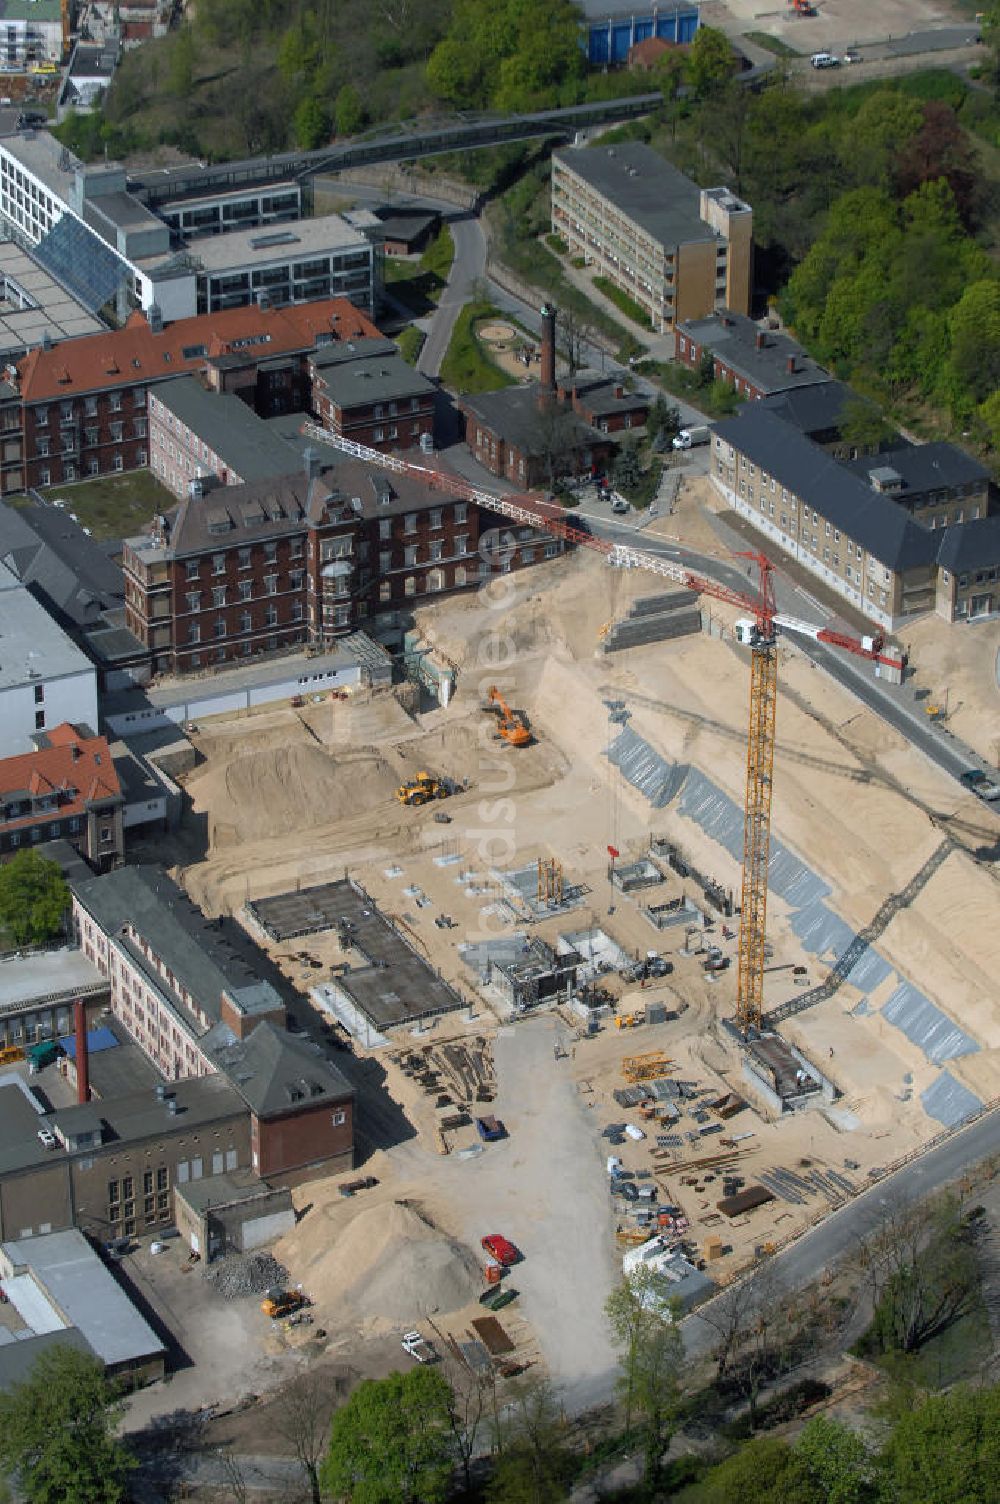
column 841, row 805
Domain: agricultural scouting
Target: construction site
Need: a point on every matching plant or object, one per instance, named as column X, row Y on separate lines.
column 556, row 939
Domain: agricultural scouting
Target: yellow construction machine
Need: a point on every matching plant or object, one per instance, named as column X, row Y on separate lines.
column 421, row 790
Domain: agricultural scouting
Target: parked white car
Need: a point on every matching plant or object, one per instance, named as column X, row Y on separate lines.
column 634, row 1132
column 418, row 1348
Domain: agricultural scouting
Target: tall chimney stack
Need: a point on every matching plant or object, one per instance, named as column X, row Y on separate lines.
column 548, row 352
column 82, row 1058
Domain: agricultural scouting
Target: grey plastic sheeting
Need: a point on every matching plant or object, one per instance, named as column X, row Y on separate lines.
column 820, row 930
column 948, row 1101
column 926, row 1026
column 505, row 950
column 645, row 769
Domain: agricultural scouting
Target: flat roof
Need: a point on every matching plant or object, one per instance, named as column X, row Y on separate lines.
column 81, row 1294
column 283, row 242
column 55, row 312
column 20, row 1119
column 44, row 976
column 394, row 985
column 32, row 646
column 46, row 159
column 18, row 1355
column 230, row 1187
column 653, row 193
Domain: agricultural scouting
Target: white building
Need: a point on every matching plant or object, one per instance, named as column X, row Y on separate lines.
column 44, row 678
column 31, row 31
column 107, row 247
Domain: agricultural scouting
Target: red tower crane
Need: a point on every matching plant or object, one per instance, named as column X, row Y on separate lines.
column 759, row 632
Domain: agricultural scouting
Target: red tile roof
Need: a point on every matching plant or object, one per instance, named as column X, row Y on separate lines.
column 134, row 354
column 85, row 778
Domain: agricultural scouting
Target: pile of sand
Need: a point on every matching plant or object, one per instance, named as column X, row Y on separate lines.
column 388, row 1262
column 271, row 790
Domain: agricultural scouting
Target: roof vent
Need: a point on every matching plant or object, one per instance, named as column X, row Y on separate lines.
column 154, row 318
column 46, row 340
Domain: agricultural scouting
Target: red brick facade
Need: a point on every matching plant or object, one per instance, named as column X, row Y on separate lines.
column 326, row 569
column 387, row 426
column 280, row 1146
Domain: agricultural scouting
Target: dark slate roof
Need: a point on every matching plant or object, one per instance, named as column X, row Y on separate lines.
column 513, row 415
column 227, row 516
column 402, row 223
column 18, row 1357
column 230, row 428
column 816, row 408
column 596, row 394
column 970, row 545
column 645, row 186
column 276, row 1072
column 207, row 956
column 67, row 570
column 734, row 338
column 924, row 467
column 883, row 528
column 378, row 377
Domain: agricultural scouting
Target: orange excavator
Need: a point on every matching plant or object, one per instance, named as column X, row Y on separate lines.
column 510, row 726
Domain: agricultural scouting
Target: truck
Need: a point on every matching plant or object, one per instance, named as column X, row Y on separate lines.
column 698, row 433
column 282, row 1303
column 418, row 1348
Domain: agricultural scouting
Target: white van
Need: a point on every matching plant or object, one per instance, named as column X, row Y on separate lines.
column 689, row 437
column 824, row 60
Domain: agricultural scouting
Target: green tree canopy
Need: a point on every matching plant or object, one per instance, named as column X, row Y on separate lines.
column 764, row 1471
column 391, row 1442
column 945, row 1450
column 349, row 111
column 975, row 340
column 33, row 898
column 508, row 53
column 311, row 124
column 873, row 141
column 710, row 62
column 56, row 1432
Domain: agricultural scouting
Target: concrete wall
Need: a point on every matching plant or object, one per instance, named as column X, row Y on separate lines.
column 156, row 718
column 73, row 698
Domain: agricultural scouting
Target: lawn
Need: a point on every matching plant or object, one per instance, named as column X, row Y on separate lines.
column 629, row 307
column 418, row 285
column 772, row 44
column 113, row 506
column 411, row 341
column 466, row 366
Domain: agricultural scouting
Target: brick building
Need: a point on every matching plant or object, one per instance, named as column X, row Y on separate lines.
column 304, row 558
column 536, row 433
column 755, row 362
column 67, row 787
column 190, row 994
column 364, row 390
column 200, row 439
column 84, row 408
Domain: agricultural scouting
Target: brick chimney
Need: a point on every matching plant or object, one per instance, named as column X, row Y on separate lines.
column 548, row 351
column 791, row 365
column 82, row 1056
column 761, row 339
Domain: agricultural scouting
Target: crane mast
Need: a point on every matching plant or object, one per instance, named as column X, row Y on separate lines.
column 762, row 640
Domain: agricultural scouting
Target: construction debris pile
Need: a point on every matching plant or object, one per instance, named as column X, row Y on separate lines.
column 246, row 1274
column 457, row 1074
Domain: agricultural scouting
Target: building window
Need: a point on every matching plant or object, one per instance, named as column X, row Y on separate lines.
column 219, row 626
column 246, row 590
column 244, row 558
column 270, row 553
column 193, row 599
column 41, row 417
column 117, row 430
column 39, row 720
column 218, row 595
column 39, row 694
column 409, row 585
column 435, row 517
column 246, row 622
column 119, row 463
column 218, row 563
column 410, row 522
column 378, row 434
column 271, row 584
column 384, row 529
column 194, row 632
column 410, row 555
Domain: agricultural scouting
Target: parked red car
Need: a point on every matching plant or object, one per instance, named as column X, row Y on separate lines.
column 500, row 1249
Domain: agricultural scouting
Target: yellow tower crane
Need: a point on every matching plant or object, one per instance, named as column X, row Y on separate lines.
column 758, row 631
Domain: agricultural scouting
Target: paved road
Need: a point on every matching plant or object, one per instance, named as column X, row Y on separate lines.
column 468, row 267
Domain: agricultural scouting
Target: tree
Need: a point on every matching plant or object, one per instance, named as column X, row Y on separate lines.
column 975, row 340
column 348, row 111
column 532, row 1461
column 837, row 1460
column 944, row 1449
column 34, row 898
column 644, row 1322
column 941, row 150
column 391, row 1444
column 302, row 1408
column 921, row 1271
column 180, row 77
column 763, row 1471
column 710, row 61
column 862, row 426
column 555, row 440
column 872, row 142
column 57, row 1432
column 574, row 332
column 627, row 471
column 311, row 124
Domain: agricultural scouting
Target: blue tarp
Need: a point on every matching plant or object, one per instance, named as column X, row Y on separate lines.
column 97, row 1040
